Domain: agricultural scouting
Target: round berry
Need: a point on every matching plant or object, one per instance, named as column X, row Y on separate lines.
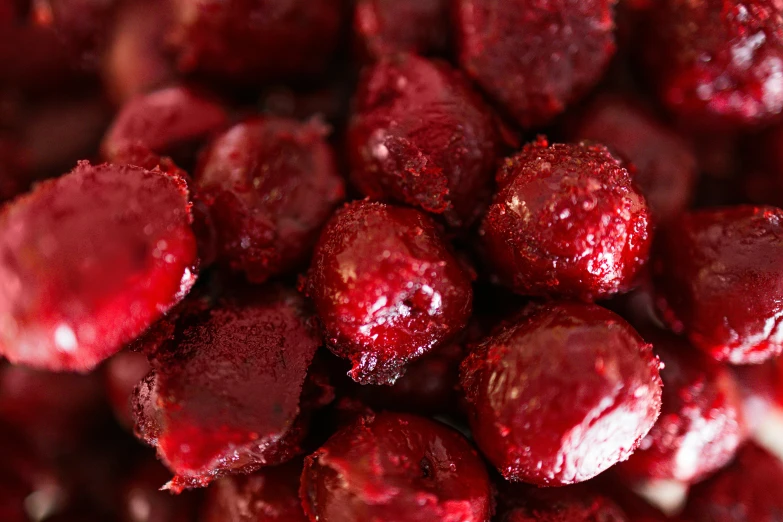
column 385, row 27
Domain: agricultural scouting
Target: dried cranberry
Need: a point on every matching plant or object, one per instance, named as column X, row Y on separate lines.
column 535, row 58
column 718, row 279
column 561, row 394
column 566, row 221
column 90, row 260
column 385, row 27
column 224, row 393
column 421, row 136
column 122, row 373
column 395, row 467
column 269, row 185
column 386, row 287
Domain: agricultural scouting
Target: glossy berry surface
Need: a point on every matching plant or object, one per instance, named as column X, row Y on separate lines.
column 718, row 281
column 386, row 288
column 396, row 468
column 561, row 394
column 269, row 185
column 534, row 58
column 224, row 393
column 89, row 261
column 421, row 136
column 385, row 27
column 566, row 221
column 701, row 423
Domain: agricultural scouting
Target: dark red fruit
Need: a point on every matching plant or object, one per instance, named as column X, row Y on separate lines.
column 535, row 58
column 761, row 390
column 396, row 468
column 385, row 27
column 122, row 373
column 561, row 394
column 269, row 186
column 719, row 280
column 268, row 495
column 718, row 62
column 387, row 288
column 557, row 505
column 420, row 136
column 566, row 221
column 224, row 393
column 746, row 491
column 89, row 261
column 662, row 162
column 701, row 423
column 255, row 40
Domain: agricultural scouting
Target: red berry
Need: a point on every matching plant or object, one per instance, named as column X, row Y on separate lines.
column 269, row 186
column 535, row 57
column 562, row 394
column 224, row 393
column 566, row 221
column 558, row 505
column 387, row 288
column 761, row 390
column 719, row 281
column 384, row 27
column 396, row 468
column 420, row 136
column 89, row 261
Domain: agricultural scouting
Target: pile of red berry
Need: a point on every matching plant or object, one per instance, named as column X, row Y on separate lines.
column 391, row 260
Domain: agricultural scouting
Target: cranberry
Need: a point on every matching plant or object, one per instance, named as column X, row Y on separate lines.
column 269, row 185
column 224, row 393
column 701, row 423
column 717, row 62
column 122, row 373
column 387, row 288
column 566, row 221
column 91, row 259
column 384, row 27
column 142, row 501
column 253, row 40
column 718, row 280
column 746, row 491
column 535, row 58
column 421, row 136
column 395, row 467
column 269, row 495
column 561, row 394
column 663, row 163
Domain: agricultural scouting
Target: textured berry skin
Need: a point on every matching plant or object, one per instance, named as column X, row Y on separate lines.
column 386, row 287
column 566, row 221
column 268, row 495
column 385, row 27
column 89, row 261
column 662, row 163
column 534, row 58
column 719, row 280
column 224, row 393
column 701, row 423
column 746, row 491
column 419, row 135
column 269, row 185
column 561, row 394
column 252, row 41
column 396, row 468
column 718, row 62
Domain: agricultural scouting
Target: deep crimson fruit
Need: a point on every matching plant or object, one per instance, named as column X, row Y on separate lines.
column 720, row 282
column 419, row 135
column 746, row 491
column 566, row 221
column 386, row 287
column 561, row 394
column 761, row 390
column 90, row 260
column 395, row 468
column 224, row 392
column 535, row 58
column 268, row 495
column 662, row 162
column 718, row 62
column 122, row 373
column 255, row 40
column 269, row 185
column 384, row 27
column 557, row 505
column 701, row 423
